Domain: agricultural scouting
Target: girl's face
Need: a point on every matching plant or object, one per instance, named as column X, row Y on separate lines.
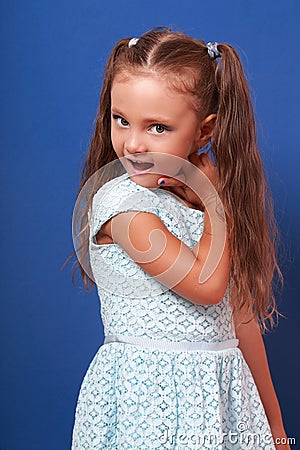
column 149, row 124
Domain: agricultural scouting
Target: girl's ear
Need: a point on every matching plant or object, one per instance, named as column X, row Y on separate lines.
column 206, row 130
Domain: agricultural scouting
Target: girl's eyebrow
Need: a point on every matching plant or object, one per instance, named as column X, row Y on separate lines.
column 157, row 119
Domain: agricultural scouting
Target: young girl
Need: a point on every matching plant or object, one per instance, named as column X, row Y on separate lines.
column 183, row 363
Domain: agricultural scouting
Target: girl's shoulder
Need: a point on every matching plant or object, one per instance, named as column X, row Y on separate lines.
column 122, row 189
column 121, row 194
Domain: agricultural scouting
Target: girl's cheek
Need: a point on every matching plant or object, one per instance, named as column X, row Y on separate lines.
column 115, row 143
column 167, row 164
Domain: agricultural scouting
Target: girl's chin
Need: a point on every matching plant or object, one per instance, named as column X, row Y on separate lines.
column 148, row 180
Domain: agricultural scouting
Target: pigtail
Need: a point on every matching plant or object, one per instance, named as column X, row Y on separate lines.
column 101, row 151
column 245, row 193
column 100, row 154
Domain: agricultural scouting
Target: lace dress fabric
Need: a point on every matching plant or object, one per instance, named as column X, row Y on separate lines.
column 133, row 397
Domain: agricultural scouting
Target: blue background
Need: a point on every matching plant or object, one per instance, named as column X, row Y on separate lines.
column 53, row 55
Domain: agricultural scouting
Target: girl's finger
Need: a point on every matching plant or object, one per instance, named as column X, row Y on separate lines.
column 165, row 181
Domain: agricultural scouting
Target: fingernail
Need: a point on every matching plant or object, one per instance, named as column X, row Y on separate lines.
column 161, row 182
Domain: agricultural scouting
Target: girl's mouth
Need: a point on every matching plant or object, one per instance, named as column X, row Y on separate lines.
column 141, row 167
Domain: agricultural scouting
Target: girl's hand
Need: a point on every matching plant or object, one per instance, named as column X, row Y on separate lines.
column 204, row 163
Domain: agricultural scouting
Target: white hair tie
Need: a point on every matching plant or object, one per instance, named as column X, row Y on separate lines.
column 132, row 42
column 212, row 48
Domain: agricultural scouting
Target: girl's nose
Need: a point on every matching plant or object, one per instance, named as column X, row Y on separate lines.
column 135, row 143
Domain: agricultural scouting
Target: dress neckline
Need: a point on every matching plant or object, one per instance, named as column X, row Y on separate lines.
column 181, row 202
column 176, row 197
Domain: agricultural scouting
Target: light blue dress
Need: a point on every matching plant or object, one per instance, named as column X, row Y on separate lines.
column 156, row 392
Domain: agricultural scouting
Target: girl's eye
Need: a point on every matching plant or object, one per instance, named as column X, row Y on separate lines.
column 159, row 128
column 120, row 120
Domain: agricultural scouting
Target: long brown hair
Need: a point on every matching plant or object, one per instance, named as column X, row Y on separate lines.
column 217, row 87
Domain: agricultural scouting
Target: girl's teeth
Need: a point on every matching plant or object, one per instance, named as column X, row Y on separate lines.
column 142, row 165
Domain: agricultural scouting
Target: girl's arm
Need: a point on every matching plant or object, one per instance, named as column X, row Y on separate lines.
column 252, row 346
column 154, row 248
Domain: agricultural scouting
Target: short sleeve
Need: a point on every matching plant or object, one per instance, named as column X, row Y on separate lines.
column 120, row 195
